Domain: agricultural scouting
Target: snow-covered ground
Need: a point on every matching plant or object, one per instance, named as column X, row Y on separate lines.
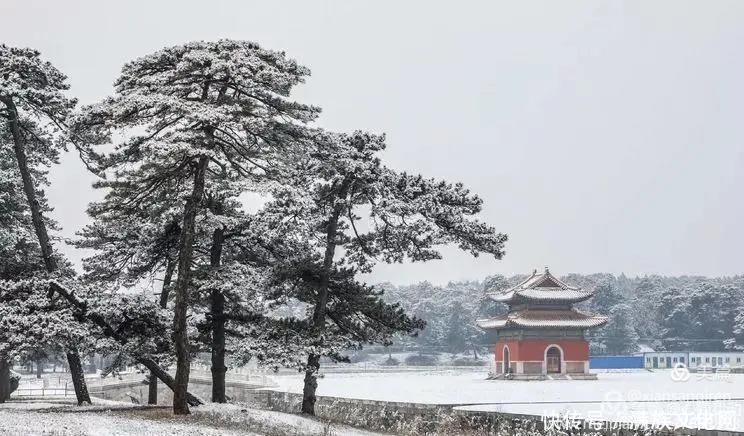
column 640, row 396
column 17, row 422
column 106, row 418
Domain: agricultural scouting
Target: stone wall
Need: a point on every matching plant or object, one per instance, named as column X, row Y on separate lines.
column 446, row 419
column 393, row 417
column 385, row 416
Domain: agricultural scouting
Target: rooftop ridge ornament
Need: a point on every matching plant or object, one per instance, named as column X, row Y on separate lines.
column 542, row 287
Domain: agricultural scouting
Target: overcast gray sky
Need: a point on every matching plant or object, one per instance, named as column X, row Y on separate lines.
column 602, row 136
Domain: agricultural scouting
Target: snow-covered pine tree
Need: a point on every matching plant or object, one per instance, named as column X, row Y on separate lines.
column 20, row 256
column 699, row 314
column 222, row 282
column 606, row 295
column 619, row 336
column 487, row 306
column 136, row 241
column 31, row 326
column 280, row 333
column 132, row 241
column 34, row 106
column 203, row 107
column 408, row 217
column 646, row 300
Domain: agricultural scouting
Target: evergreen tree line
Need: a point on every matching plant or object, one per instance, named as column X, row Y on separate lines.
column 186, row 134
column 651, row 312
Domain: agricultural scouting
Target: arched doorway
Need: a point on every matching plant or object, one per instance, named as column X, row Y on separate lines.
column 553, row 360
column 506, row 363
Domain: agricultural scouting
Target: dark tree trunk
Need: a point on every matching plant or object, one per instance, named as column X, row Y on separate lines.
column 19, row 147
column 319, row 312
column 39, row 368
column 218, row 347
column 170, row 268
column 185, row 256
column 152, row 388
column 4, row 380
column 78, row 378
column 217, row 309
column 311, row 384
column 166, row 378
column 109, row 331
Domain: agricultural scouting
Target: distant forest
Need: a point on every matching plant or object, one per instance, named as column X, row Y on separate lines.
column 662, row 313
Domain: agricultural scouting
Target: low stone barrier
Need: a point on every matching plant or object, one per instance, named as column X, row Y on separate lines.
column 396, row 417
column 378, row 415
column 403, row 418
column 445, row 419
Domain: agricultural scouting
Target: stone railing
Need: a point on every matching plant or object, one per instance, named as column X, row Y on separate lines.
column 132, row 387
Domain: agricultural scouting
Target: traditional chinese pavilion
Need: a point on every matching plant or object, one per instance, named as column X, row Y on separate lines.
column 542, row 335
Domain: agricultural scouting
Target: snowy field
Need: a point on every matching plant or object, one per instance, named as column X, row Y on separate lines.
column 641, row 396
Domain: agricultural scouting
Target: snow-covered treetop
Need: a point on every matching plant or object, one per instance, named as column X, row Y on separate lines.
column 407, row 216
column 32, row 84
column 225, row 99
column 32, row 92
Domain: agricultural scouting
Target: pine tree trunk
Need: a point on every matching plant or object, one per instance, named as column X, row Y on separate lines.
column 319, row 312
column 185, row 256
column 167, row 379
column 218, row 347
column 37, row 219
column 311, row 384
column 152, row 388
column 4, row 380
column 217, row 308
column 170, row 268
column 78, row 378
column 19, row 147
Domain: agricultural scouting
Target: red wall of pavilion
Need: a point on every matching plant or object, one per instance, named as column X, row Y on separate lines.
column 534, row 349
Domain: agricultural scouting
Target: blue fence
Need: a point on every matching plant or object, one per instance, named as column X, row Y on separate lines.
column 615, row 362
